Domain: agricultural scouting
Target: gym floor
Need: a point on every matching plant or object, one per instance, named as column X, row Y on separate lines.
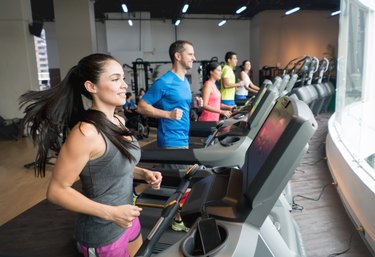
column 19, row 188
column 324, row 224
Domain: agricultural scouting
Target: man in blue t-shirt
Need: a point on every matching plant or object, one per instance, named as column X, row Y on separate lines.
column 169, row 98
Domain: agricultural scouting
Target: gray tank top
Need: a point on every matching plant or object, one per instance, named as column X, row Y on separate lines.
column 107, row 180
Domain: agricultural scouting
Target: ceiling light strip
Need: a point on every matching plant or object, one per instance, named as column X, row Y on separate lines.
column 124, row 8
column 241, row 9
column 185, row 8
column 296, row 9
column 221, row 23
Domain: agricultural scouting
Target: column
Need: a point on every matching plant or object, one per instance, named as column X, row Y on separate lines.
column 18, row 69
column 75, row 31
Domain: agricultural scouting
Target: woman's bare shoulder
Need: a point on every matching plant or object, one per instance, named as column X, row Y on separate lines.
column 85, row 130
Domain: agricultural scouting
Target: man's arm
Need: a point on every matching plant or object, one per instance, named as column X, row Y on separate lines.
column 227, row 84
column 150, row 111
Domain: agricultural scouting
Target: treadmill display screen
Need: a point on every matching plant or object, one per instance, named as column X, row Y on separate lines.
column 250, row 108
column 265, row 141
column 237, row 129
column 257, row 100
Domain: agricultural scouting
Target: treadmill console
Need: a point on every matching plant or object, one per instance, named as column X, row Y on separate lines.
column 239, row 115
column 236, row 129
column 227, row 135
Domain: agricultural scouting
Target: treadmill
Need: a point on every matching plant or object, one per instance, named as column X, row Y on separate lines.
column 226, row 146
column 228, row 207
column 205, row 129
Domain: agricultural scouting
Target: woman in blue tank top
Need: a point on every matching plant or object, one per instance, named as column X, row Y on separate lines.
column 98, row 148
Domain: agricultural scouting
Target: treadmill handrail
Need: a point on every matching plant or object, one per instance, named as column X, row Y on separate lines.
column 212, row 156
column 168, row 213
column 175, row 156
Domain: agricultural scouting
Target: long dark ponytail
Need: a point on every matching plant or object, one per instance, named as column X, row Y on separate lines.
column 50, row 114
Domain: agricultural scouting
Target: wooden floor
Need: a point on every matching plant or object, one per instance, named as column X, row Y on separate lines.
column 324, row 224
column 19, row 188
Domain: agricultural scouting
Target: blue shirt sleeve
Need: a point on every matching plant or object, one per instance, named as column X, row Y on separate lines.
column 154, row 93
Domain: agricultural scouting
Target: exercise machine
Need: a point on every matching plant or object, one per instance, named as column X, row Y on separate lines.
column 228, row 210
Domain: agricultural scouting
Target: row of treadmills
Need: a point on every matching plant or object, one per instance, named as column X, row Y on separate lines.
column 315, row 87
column 240, row 201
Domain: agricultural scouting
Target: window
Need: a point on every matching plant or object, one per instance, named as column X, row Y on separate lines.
column 42, row 60
column 355, row 120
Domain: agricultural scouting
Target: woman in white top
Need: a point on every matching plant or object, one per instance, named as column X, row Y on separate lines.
column 242, row 91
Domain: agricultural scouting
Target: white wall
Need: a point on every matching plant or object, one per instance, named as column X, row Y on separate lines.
column 150, row 40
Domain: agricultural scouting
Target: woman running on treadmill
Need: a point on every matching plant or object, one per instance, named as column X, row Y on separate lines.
column 243, row 91
column 98, row 148
column 212, row 106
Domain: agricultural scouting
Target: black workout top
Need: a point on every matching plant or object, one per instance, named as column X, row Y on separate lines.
column 107, row 180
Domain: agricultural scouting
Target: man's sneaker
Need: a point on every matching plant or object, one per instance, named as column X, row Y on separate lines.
column 135, row 198
column 179, row 226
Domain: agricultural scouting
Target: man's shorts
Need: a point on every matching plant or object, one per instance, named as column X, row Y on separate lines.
column 228, row 102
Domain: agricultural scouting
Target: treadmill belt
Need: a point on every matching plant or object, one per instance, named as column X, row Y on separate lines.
column 159, row 247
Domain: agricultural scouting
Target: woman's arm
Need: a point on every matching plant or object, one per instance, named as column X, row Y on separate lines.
column 84, row 143
column 153, row 178
column 252, row 88
column 228, row 107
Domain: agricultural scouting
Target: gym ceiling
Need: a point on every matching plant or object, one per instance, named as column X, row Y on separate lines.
column 42, row 10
